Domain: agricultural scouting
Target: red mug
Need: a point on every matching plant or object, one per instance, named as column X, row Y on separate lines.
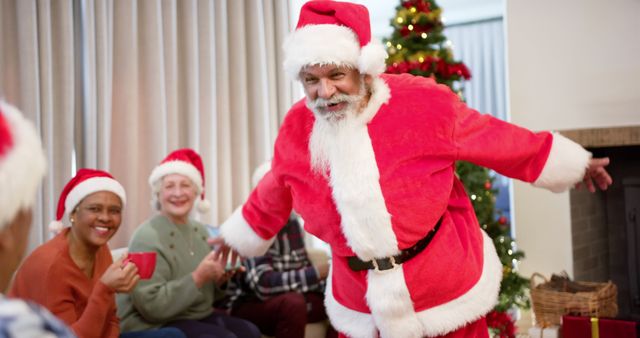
column 145, row 261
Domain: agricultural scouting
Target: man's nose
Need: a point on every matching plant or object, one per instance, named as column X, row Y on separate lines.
column 326, row 89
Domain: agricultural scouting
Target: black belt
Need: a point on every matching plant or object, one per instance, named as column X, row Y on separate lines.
column 387, row 263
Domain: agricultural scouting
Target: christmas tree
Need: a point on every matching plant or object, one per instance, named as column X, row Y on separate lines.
column 418, row 46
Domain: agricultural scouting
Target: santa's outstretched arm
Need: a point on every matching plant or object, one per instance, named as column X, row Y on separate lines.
column 547, row 160
column 252, row 227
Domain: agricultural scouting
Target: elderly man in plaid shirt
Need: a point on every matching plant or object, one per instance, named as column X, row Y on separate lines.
column 281, row 291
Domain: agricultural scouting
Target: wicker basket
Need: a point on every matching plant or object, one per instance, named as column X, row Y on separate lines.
column 550, row 303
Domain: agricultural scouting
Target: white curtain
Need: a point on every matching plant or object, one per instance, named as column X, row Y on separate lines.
column 37, row 62
column 481, row 46
column 134, row 80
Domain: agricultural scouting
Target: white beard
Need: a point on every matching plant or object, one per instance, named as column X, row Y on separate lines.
column 330, row 127
column 324, row 140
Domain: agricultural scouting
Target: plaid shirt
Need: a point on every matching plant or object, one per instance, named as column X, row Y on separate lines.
column 284, row 268
column 20, row 319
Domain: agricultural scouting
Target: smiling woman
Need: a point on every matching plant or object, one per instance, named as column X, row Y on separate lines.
column 84, row 298
column 188, row 274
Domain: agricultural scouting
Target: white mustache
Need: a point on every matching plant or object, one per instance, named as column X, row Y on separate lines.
column 321, row 103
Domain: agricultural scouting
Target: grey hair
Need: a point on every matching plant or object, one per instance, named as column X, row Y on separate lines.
column 157, row 186
column 155, row 190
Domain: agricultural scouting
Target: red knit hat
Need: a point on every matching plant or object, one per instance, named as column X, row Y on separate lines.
column 83, row 184
column 332, row 32
column 185, row 162
column 22, row 163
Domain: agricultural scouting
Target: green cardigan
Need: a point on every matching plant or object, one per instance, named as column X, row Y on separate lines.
column 171, row 293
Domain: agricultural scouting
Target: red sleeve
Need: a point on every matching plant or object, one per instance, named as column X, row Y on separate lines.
column 268, row 206
column 506, row 148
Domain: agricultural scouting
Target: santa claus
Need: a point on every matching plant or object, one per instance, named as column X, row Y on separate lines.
column 367, row 160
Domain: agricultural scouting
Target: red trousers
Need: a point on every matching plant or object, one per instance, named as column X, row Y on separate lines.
column 477, row 329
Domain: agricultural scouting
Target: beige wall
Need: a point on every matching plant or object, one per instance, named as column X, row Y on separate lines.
column 571, row 64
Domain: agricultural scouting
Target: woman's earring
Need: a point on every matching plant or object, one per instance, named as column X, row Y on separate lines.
column 72, row 220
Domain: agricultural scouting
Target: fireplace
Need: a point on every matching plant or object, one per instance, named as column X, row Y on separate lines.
column 605, row 226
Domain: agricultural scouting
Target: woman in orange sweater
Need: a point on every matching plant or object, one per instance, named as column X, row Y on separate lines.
column 73, row 274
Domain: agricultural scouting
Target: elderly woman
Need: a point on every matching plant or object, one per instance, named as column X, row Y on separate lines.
column 73, row 274
column 188, row 274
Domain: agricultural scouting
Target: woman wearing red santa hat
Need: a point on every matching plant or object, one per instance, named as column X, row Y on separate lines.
column 73, row 274
column 188, row 274
column 22, row 167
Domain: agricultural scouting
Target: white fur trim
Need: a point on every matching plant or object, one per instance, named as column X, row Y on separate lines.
column 391, row 304
column 320, row 44
column 176, row 167
column 90, row 186
column 380, row 94
column 331, row 44
column 356, row 190
column 21, row 168
column 353, row 323
column 354, row 180
column 372, row 58
column 237, row 232
column 566, row 165
column 392, row 308
column 473, row 304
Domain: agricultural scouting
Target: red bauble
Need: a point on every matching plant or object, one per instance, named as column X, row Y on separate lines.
column 502, row 220
column 487, row 185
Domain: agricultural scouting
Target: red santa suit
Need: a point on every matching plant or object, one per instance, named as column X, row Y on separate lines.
column 390, row 182
column 390, row 178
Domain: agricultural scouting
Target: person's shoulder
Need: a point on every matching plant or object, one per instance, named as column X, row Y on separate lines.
column 149, row 230
column 19, row 318
column 200, row 226
column 299, row 113
column 46, row 255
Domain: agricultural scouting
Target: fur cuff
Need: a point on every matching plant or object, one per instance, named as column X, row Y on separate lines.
column 565, row 165
column 237, row 232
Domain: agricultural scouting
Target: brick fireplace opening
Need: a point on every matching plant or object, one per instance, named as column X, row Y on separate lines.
column 605, row 226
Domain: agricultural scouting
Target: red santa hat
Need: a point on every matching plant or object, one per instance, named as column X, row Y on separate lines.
column 332, row 32
column 83, row 184
column 185, row 162
column 22, row 163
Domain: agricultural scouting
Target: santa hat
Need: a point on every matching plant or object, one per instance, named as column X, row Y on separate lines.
column 332, row 32
column 22, row 163
column 184, row 162
column 83, row 184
